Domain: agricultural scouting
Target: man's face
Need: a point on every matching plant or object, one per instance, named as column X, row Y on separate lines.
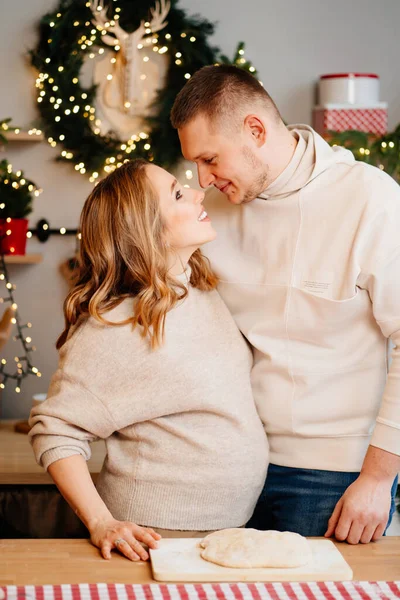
column 225, row 158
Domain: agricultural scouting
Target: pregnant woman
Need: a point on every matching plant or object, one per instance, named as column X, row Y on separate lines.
column 151, row 361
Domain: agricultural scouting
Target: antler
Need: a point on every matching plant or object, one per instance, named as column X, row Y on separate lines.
column 158, row 14
column 100, row 19
column 157, row 22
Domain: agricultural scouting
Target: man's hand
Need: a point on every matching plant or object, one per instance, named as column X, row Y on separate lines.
column 362, row 513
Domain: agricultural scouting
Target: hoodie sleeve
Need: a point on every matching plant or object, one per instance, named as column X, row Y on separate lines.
column 384, row 289
column 381, row 277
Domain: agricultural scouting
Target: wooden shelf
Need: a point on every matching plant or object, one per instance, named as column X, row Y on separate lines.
column 23, row 259
column 23, row 136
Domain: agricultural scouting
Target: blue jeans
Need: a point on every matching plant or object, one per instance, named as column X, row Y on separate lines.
column 302, row 500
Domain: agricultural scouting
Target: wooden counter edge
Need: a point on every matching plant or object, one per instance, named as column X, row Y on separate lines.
column 40, row 562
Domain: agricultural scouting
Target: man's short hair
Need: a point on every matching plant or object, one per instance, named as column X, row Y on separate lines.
column 219, row 92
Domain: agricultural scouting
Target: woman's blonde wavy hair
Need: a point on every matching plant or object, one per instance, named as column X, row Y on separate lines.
column 123, row 253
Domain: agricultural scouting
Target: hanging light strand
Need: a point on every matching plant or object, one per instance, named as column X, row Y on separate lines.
column 23, row 360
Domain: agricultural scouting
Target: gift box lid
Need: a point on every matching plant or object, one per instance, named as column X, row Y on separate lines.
column 348, row 75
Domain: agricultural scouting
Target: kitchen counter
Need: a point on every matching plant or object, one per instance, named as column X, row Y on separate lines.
column 56, row 561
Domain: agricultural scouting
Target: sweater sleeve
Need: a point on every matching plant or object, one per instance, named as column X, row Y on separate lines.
column 69, row 419
column 384, row 290
column 381, row 277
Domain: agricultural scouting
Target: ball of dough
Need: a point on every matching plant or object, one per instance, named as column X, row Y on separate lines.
column 251, row 549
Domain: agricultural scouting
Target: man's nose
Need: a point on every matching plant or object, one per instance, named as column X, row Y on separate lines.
column 205, row 177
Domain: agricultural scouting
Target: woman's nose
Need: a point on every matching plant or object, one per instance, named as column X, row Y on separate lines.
column 199, row 196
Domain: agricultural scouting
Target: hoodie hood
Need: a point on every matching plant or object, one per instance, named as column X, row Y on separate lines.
column 313, row 156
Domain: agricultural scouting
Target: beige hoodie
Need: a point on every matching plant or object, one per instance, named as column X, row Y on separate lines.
column 311, row 272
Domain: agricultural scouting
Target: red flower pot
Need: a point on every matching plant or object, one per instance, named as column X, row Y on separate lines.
column 13, row 236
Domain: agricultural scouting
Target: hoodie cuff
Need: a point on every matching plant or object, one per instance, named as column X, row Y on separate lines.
column 386, row 438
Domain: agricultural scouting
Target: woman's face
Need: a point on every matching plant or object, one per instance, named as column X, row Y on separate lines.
column 187, row 225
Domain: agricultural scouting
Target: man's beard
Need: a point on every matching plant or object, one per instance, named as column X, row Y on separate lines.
column 261, row 175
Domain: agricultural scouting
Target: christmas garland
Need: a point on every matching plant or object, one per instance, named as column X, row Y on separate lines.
column 68, row 37
column 381, row 151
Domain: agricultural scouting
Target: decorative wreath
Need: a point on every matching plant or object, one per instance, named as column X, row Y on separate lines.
column 119, row 40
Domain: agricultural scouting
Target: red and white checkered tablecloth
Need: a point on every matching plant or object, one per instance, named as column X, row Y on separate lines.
column 346, row 590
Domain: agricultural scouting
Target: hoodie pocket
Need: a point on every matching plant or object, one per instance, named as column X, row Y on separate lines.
column 337, row 360
column 331, row 335
column 317, row 310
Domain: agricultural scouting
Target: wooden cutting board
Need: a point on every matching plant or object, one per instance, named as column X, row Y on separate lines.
column 179, row 560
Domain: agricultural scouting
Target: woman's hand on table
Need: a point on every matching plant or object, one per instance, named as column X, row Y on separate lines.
column 73, row 479
column 123, row 536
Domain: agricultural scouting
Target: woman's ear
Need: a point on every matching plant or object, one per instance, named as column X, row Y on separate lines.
column 256, row 129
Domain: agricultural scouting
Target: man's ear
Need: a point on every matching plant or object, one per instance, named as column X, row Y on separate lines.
column 256, row 129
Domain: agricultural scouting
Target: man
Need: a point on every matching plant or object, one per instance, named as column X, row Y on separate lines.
column 308, row 254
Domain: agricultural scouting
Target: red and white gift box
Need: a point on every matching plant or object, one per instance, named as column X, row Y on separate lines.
column 342, row 117
column 348, row 88
column 350, row 101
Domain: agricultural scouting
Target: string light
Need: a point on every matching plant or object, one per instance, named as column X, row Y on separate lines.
column 24, row 365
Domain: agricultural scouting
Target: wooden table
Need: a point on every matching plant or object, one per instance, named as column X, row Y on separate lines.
column 18, row 465
column 38, row 562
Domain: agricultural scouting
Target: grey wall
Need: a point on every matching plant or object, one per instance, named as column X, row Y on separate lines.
column 291, row 42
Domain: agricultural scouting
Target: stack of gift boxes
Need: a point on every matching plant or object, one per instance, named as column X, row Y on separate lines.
column 349, row 101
